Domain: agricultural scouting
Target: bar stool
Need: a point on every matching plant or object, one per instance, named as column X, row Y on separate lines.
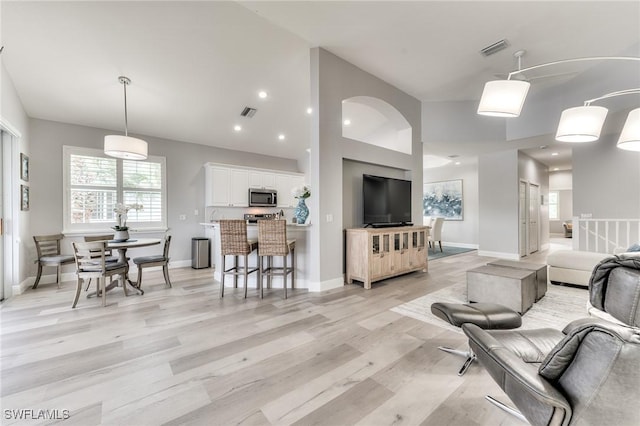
column 234, row 242
column 272, row 241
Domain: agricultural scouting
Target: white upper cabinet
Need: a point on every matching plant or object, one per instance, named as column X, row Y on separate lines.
column 228, row 186
column 260, row 179
column 284, row 184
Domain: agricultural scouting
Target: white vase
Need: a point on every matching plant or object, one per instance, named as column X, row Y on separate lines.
column 121, row 236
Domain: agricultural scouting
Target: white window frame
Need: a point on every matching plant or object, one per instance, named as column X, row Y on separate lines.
column 81, row 228
column 557, row 204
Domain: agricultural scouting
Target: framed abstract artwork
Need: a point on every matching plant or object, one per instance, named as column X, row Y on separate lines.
column 24, row 197
column 24, row 167
column 443, row 199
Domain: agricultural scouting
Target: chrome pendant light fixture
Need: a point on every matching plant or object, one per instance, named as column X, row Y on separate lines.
column 125, row 147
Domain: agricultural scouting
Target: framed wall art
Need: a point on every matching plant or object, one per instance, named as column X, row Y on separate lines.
column 24, row 167
column 24, row 197
column 443, row 199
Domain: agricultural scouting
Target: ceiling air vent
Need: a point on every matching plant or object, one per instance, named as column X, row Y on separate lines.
column 495, row 48
column 248, row 112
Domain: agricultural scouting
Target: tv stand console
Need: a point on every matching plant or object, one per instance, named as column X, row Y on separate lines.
column 374, row 254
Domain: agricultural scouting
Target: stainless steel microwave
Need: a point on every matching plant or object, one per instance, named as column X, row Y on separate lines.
column 263, row 197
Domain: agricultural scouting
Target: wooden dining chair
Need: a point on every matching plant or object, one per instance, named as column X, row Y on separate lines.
column 109, row 257
column 48, row 249
column 155, row 260
column 90, row 258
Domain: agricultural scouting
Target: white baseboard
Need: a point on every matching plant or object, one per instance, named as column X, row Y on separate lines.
column 326, row 285
column 461, row 245
column 510, row 256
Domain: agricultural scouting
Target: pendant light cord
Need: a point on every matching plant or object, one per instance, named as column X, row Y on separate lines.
column 126, row 131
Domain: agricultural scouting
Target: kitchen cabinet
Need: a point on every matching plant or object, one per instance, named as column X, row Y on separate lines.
column 379, row 253
column 263, row 180
column 284, row 184
column 226, row 187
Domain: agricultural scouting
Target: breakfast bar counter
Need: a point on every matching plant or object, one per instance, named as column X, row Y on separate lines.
column 294, row 232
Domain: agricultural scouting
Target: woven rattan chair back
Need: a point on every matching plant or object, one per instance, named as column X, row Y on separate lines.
column 233, row 237
column 272, row 238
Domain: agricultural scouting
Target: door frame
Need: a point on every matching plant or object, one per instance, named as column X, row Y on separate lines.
column 527, row 211
column 10, row 213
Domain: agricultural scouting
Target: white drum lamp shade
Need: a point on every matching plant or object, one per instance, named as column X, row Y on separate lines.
column 581, row 124
column 630, row 136
column 126, row 147
column 503, row 98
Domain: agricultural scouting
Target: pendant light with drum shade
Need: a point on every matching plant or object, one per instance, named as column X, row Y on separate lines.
column 125, row 146
column 630, row 135
column 584, row 124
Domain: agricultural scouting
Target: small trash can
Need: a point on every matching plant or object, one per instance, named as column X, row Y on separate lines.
column 200, row 253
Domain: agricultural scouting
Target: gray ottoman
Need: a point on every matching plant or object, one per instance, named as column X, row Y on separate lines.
column 514, row 288
column 488, row 316
column 538, row 269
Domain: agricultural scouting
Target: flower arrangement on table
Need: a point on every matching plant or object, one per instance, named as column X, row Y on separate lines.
column 121, row 210
column 303, row 191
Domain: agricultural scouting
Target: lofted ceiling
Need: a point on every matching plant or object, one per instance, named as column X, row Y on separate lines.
column 195, row 65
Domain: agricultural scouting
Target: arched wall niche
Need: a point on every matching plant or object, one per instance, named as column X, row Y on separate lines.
column 376, row 122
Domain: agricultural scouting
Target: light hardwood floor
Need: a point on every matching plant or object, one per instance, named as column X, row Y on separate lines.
column 184, row 356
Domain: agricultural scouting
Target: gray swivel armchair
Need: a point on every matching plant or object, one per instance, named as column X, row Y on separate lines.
column 582, row 374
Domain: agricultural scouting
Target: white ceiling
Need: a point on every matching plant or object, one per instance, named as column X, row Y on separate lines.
column 195, row 65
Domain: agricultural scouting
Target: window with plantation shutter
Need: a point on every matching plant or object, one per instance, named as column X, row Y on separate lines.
column 95, row 183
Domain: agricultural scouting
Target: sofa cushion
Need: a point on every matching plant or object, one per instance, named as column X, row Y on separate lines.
column 573, row 259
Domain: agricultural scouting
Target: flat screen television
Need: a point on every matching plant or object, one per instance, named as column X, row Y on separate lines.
column 386, row 201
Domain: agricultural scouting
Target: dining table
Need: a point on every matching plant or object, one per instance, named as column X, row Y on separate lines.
column 122, row 247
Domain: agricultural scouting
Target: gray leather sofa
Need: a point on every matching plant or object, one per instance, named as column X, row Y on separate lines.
column 587, row 373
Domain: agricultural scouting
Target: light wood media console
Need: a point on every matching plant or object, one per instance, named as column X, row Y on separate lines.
column 374, row 254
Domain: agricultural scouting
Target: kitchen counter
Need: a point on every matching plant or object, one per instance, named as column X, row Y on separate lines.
column 294, row 231
column 255, row 225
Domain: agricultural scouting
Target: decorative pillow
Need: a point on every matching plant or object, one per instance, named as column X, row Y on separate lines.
column 634, row 247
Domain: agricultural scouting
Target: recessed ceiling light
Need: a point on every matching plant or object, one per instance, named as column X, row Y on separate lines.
column 457, row 163
column 308, row 150
column 281, row 136
column 554, row 153
column 237, row 128
column 262, row 94
column 556, row 169
column 432, row 161
column 309, row 110
column 347, row 122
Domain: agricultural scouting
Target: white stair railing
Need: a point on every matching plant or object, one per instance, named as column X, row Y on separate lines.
column 605, row 235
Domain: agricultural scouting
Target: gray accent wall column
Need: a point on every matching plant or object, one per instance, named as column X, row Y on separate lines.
column 498, row 204
column 332, row 81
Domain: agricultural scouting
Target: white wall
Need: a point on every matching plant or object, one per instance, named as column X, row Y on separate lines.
column 13, row 116
column 333, row 80
column 460, row 233
column 606, row 180
column 185, row 180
